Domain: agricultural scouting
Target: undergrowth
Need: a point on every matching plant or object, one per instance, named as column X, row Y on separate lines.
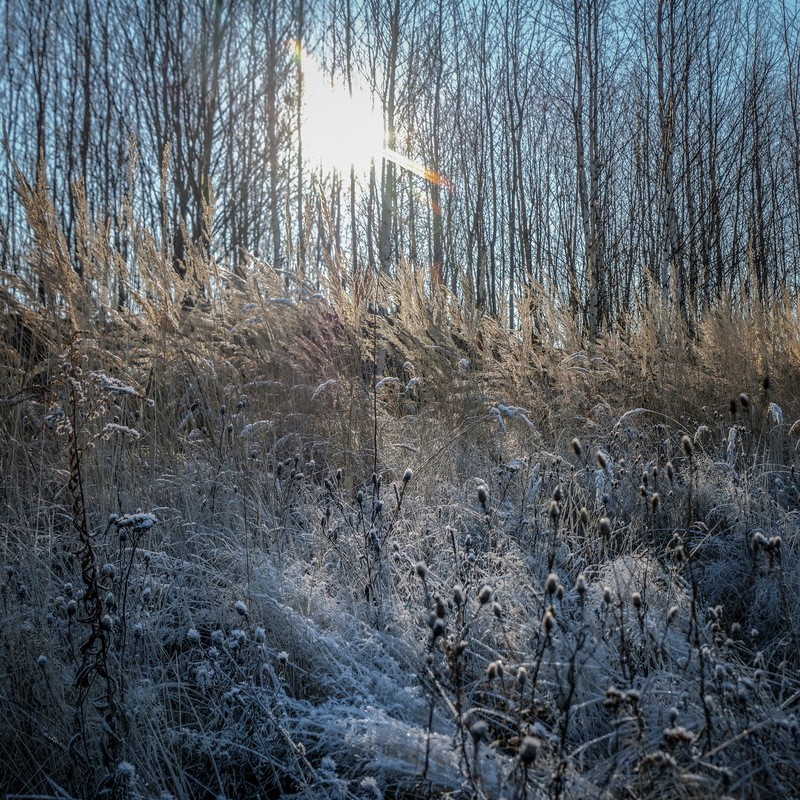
column 307, row 542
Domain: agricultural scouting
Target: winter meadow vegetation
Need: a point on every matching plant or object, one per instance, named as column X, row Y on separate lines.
column 471, row 475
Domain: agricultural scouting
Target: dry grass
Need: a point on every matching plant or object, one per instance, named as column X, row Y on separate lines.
column 289, row 620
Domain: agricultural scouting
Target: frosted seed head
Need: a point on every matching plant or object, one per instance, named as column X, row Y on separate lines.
column 125, row 771
column 485, row 594
column 478, row 730
column 758, row 540
column 522, row 677
column 422, row 570
column 605, row 527
column 577, row 448
column 687, row 446
column 602, row 460
column 551, row 584
column 483, row 495
column 528, row 750
column 407, row 475
column 549, row 621
column 458, row 595
column 440, row 608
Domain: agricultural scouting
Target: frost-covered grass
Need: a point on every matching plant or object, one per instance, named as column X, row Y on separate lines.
column 304, row 551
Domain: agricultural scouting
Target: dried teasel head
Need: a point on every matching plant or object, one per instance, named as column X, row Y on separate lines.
column 485, row 594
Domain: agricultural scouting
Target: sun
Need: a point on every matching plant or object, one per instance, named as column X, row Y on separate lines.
column 340, row 129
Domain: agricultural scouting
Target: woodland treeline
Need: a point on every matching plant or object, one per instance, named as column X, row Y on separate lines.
column 609, row 153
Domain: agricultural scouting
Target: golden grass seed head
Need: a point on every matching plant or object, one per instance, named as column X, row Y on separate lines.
column 687, row 446
column 655, row 502
column 669, row 470
column 577, row 447
column 601, row 459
